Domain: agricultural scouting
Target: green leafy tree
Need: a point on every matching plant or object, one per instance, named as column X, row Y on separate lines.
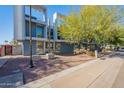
column 116, row 36
column 94, row 24
column 70, row 30
column 14, row 42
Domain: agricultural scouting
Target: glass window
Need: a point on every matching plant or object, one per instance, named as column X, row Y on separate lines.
column 51, row 33
column 36, row 14
column 33, row 29
column 27, row 28
column 39, row 31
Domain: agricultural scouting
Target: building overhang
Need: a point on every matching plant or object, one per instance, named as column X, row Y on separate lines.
column 40, row 8
column 38, row 22
column 36, row 39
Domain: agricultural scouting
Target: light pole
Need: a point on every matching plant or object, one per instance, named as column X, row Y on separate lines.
column 30, row 31
column 49, row 48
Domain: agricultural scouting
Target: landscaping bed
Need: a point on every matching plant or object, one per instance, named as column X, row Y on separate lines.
column 43, row 67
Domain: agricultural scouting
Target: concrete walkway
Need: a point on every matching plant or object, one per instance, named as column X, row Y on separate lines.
column 95, row 74
column 119, row 82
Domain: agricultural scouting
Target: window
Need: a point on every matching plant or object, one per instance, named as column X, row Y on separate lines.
column 39, row 31
column 33, row 29
column 58, row 32
column 27, row 28
column 51, row 33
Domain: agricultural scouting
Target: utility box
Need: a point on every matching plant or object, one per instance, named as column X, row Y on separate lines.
column 50, row 55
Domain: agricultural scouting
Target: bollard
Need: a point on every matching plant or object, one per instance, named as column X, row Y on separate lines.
column 96, row 53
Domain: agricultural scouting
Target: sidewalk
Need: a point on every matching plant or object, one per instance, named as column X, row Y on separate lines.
column 95, row 74
column 119, row 82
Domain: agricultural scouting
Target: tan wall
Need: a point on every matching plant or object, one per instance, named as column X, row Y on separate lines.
column 17, row 50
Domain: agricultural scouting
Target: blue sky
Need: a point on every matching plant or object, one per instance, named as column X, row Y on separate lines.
column 6, row 18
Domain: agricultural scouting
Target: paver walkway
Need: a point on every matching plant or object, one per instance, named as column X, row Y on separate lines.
column 100, row 74
column 119, row 82
column 97, row 74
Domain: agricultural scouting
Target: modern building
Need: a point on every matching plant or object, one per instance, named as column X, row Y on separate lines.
column 60, row 44
column 40, row 33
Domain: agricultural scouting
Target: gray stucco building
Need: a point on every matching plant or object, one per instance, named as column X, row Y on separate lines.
column 39, row 30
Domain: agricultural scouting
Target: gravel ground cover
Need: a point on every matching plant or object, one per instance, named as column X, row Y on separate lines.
column 43, row 67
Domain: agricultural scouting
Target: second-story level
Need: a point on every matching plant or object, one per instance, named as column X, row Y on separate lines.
column 57, row 21
column 38, row 21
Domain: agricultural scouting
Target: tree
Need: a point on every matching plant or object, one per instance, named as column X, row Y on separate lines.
column 71, row 29
column 99, row 22
column 14, row 42
column 94, row 24
column 117, row 35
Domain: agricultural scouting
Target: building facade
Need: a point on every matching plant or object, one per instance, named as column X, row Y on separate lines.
column 40, row 35
column 60, row 44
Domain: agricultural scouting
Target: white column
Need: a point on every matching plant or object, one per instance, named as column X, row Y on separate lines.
column 19, row 22
column 55, row 25
column 44, row 47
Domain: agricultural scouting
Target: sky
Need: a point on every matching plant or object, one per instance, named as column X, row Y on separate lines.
column 6, row 18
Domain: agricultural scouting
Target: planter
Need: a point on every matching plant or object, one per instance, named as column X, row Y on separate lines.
column 50, row 55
